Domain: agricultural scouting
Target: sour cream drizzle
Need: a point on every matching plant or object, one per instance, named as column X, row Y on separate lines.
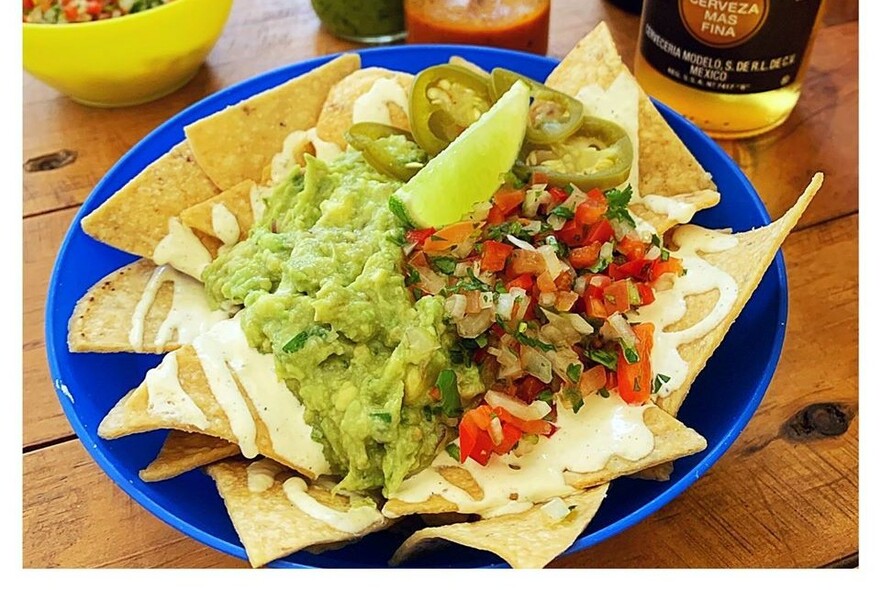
column 167, row 399
column 189, row 316
column 224, row 224
column 618, row 103
column 604, row 427
column 182, row 249
column 670, row 306
column 373, row 105
column 284, row 161
column 353, row 520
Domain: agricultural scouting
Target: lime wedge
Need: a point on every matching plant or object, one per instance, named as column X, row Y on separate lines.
column 470, row 169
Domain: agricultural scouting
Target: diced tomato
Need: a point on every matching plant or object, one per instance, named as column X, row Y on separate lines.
column 495, row 217
column 592, row 380
column 557, row 197
column 524, row 282
column 71, row 12
column 545, row 283
column 481, row 415
column 646, row 293
column 585, row 256
column 507, row 199
column 497, row 330
column 494, row 255
column 539, row 178
column 529, row 388
column 473, row 302
column 565, row 300
column 527, row 426
column 596, row 308
column 592, row 209
column 573, row 233
column 661, row 267
column 449, row 236
column 634, row 379
column 510, row 436
column 526, row 262
column 632, row 248
column 93, row 7
column 596, row 284
column 600, row 232
column 418, row 236
column 636, row 269
column 564, row 281
column 434, row 394
column 616, row 297
column 611, row 380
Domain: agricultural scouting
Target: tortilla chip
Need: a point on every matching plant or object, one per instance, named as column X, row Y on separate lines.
column 185, row 451
column 336, row 116
column 529, row 539
column 666, row 167
column 702, row 199
column 236, row 199
column 136, row 217
column 104, row 316
column 269, row 525
column 132, row 413
column 460, row 61
column 657, row 473
column 746, row 263
column 672, row 440
column 238, row 142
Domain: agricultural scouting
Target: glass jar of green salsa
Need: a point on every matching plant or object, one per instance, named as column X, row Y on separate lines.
column 365, row 21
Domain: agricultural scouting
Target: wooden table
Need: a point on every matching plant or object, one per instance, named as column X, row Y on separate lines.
column 781, row 497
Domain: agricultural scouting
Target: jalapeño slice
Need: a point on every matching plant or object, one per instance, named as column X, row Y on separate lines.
column 553, row 115
column 445, row 100
column 388, row 149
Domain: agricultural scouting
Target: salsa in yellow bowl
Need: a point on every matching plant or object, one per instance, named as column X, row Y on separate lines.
column 125, row 59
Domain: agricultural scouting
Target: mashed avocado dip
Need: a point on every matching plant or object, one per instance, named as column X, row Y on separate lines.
column 321, row 283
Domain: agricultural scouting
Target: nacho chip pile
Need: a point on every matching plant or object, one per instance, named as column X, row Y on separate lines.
column 226, row 409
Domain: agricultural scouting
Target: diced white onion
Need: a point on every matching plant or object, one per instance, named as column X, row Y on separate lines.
column 556, row 222
column 653, row 253
column 472, row 325
column 547, row 299
column 487, row 300
column 536, row 364
column 456, row 305
column 518, row 292
column 579, row 323
column 504, row 306
column 606, row 252
column 554, row 265
column 532, row 227
column 556, row 509
column 480, row 211
column 533, row 411
column 430, row 281
column 461, row 269
column 535, row 197
column 495, row 431
column 580, row 285
column 622, row 329
column 520, row 243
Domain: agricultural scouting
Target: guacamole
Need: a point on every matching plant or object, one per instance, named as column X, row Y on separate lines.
column 320, row 280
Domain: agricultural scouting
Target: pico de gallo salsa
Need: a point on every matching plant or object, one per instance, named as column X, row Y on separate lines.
column 538, row 284
column 81, row 11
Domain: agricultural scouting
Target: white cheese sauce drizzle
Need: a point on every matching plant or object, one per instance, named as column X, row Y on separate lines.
column 284, row 161
column 261, row 475
column 675, row 207
column 224, row 224
column 167, row 399
column 353, row 520
column 373, row 105
column 670, row 305
column 602, row 428
column 619, row 103
column 189, row 315
column 182, row 249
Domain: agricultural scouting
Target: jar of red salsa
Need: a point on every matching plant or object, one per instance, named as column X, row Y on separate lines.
column 512, row 24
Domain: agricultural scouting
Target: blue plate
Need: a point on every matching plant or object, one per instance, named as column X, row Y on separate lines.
column 722, row 401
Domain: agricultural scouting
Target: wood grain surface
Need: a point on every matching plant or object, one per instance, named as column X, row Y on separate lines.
column 785, row 495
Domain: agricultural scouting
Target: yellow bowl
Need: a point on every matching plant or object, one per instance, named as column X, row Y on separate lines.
column 126, row 60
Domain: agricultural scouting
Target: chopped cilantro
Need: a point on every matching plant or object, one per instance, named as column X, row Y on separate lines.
column 500, row 288
column 444, row 264
column 664, row 254
column 397, row 237
column 655, row 241
column 617, row 205
column 471, row 283
column 568, row 189
column 454, row 451
column 604, row 392
column 563, row 212
column 603, row 357
column 629, row 352
column 382, row 416
column 659, row 381
column 428, row 413
column 574, row 372
column 399, row 211
column 513, row 228
column 412, row 276
column 297, row 342
column 545, row 396
column 417, row 293
column 533, row 342
column 450, row 400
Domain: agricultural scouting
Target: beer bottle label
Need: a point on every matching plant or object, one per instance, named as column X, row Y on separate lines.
column 726, row 46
